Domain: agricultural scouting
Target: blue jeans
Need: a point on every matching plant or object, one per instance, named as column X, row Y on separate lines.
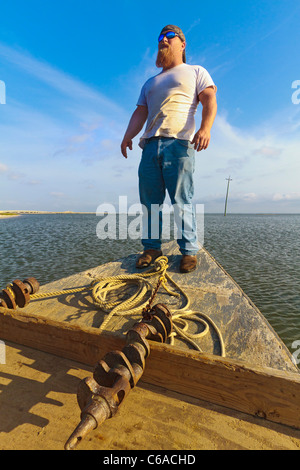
column 168, row 164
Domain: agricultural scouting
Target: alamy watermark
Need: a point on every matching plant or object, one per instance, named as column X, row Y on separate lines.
column 2, row 92
column 296, row 94
column 296, row 354
column 2, row 353
column 136, row 221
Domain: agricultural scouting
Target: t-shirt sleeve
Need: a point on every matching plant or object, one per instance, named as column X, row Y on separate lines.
column 203, row 80
column 142, row 101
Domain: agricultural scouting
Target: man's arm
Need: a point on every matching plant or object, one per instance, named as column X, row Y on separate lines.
column 209, row 102
column 135, row 125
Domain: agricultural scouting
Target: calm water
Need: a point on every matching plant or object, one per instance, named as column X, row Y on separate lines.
column 261, row 252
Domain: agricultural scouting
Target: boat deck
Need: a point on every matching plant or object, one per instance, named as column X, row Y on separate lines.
column 184, row 400
column 38, row 412
column 246, row 333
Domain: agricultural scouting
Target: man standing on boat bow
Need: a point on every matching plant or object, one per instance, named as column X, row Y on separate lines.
column 169, row 101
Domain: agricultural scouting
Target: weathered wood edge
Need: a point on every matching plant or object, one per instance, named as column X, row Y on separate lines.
column 249, row 300
column 268, row 393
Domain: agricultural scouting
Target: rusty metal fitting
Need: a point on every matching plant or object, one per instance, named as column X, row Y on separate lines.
column 17, row 294
column 99, row 397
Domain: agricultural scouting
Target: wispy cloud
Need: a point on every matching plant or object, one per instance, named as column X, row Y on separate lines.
column 192, row 26
column 63, row 132
column 3, row 168
column 57, row 194
column 77, row 107
column 264, row 169
column 287, row 197
column 67, row 140
column 269, row 152
column 57, row 79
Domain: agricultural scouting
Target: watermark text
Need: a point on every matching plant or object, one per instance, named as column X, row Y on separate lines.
column 2, row 92
column 2, row 353
column 296, row 354
column 296, row 94
column 157, row 222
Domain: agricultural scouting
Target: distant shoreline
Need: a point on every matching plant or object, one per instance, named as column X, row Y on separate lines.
column 8, row 216
column 16, row 213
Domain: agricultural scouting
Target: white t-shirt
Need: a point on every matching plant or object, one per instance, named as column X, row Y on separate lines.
column 172, row 100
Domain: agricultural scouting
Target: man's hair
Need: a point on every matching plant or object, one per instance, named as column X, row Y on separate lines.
column 177, row 30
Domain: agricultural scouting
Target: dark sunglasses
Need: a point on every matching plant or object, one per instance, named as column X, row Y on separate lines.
column 169, row 35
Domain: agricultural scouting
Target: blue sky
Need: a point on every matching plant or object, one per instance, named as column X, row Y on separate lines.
column 73, row 71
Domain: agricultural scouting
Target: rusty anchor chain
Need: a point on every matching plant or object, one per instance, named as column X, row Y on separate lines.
column 99, row 397
column 146, row 312
column 17, row 294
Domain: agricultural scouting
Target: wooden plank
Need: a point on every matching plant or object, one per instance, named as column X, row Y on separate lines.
column 63, row 339
column 150, row 418
column 271, row 394
column 246, row 333
column 264, row 392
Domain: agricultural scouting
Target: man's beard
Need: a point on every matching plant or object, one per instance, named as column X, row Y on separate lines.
column 165, row 57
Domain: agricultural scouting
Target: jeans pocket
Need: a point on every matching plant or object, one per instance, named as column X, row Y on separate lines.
column 184, row 143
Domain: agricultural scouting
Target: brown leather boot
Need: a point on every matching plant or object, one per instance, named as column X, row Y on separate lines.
column 147, row 258
column 188, row 263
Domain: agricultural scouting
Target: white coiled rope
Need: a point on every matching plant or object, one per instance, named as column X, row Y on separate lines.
column 135, row 302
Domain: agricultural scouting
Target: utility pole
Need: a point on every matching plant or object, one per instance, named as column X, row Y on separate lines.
column 228, row 179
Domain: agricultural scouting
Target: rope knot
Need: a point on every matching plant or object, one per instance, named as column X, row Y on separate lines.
column 161, row 263
column 163, row 279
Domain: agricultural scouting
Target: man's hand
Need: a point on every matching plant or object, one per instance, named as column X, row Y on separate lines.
column 135, row 125
column 208, row 100
column 126, row 142
column 201, row 139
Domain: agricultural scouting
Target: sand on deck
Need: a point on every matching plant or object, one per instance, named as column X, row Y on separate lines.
column 39, row 411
